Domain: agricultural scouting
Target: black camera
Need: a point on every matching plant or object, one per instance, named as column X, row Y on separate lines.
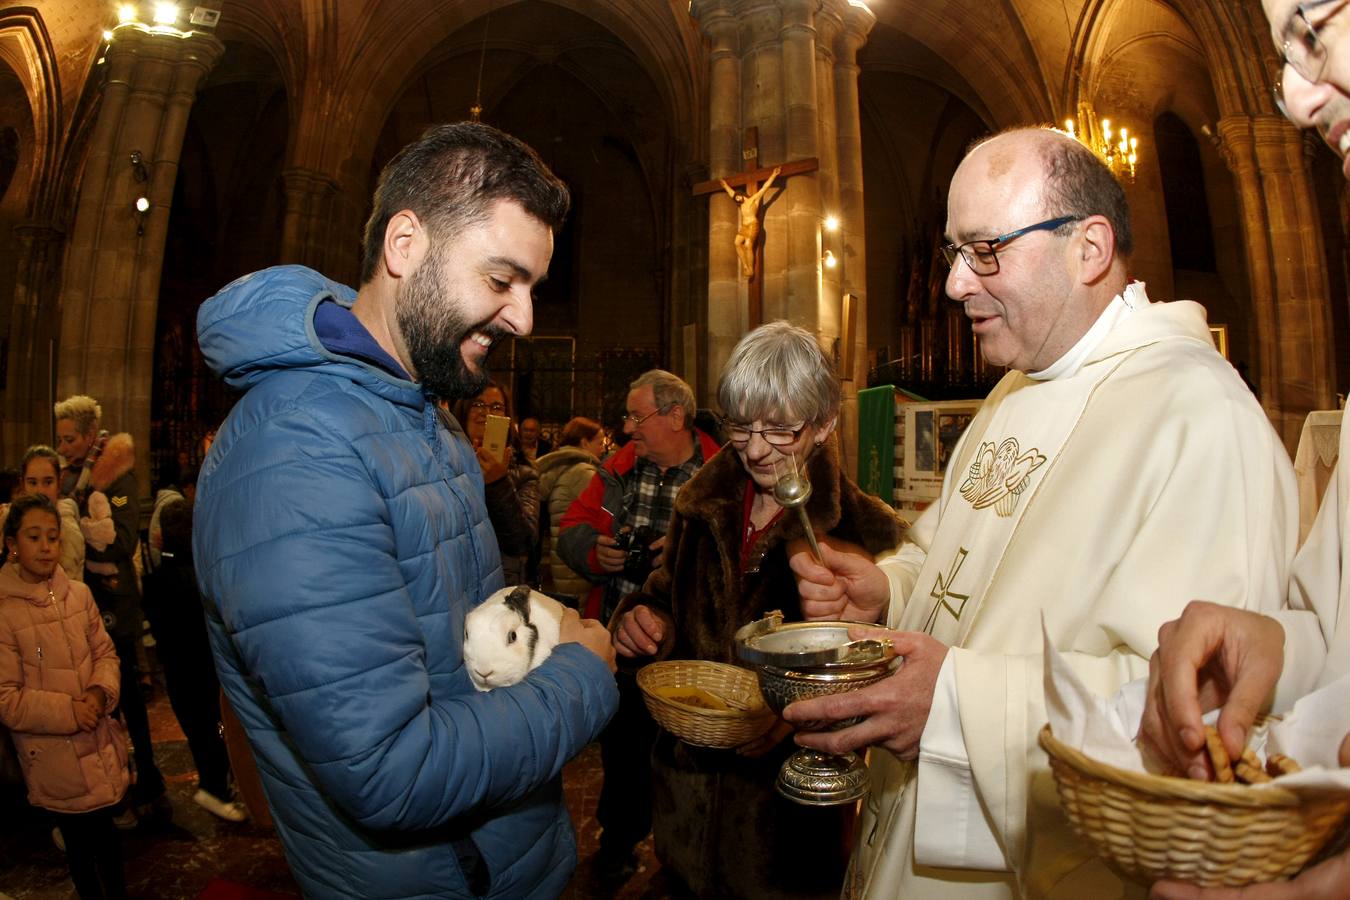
column 636, row 545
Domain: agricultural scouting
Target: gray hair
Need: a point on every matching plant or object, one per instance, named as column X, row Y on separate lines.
column 668, row 390
column 83, row 411
column 778, row 373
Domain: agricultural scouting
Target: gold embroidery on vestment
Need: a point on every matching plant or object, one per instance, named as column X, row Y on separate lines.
column 942, row 593
column 998, row 476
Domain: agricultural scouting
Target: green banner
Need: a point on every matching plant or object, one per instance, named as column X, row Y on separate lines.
column 876, row 441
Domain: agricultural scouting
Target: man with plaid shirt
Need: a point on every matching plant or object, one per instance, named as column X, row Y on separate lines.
column 629, row 502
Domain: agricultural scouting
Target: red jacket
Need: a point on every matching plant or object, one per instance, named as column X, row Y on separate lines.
column 590, row 516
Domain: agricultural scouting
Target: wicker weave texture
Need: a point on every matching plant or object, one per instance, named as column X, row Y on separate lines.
column 720, row 729
column 1215, row 835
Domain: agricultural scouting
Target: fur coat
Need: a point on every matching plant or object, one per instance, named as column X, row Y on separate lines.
column 110, row 552
column 719, row 823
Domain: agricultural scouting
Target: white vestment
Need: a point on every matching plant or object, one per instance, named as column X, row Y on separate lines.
column 1103, row 500
column 1316, row 630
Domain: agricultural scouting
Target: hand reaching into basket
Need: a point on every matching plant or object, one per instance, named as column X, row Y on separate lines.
column 641, row 630
column 1328, row 880
column 894, row 710
column 1213, row 656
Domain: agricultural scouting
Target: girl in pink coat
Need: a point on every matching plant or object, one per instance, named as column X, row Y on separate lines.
column 59, row 679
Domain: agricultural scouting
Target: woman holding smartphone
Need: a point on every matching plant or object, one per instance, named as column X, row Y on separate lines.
column 511, row 482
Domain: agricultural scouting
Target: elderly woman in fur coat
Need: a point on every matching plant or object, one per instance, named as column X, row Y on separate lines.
column 720, row 827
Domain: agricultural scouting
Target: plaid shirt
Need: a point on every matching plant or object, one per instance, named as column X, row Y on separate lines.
column 648, row 499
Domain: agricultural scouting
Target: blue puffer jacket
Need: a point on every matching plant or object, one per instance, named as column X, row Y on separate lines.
column 341, row 537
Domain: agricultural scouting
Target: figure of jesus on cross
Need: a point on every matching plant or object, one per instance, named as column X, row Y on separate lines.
column 748, row 232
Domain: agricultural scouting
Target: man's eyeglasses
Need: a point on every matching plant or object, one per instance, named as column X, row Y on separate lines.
column 776, row 435
column 497, row 408
column 638, row 420
column 1302, row 50
column 982, row 256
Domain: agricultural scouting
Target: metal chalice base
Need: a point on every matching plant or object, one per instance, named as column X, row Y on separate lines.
column 799, row 660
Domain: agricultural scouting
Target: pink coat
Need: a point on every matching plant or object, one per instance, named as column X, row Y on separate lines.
column 53, row 648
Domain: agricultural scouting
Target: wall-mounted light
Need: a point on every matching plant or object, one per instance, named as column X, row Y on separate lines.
column 829, row 259
column 831, row 223
column 142, row 210
column 138, row 170
column 165, row 17
column 166, row 13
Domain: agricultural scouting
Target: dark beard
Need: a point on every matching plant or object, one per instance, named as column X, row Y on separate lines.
column 433, row 330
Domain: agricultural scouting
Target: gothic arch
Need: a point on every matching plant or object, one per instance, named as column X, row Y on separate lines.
column 26, row 47
column 365, row 80
column 999, row 64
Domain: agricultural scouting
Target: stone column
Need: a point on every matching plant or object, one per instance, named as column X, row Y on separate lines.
column 858, row 22
column 1284, row 260
column 855, row 24
column 307, row 229
column 33, row 332
column 773, row 67
column 110, row 288
column 801, row 201
column 726, row 299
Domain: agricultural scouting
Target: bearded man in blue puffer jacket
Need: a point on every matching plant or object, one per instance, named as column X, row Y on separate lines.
column 342, row 536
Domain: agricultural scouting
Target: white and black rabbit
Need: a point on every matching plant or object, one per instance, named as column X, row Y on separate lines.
column 510, row 633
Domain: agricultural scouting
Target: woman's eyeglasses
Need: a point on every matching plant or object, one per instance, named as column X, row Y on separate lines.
column 497, row 408
column 776, row 435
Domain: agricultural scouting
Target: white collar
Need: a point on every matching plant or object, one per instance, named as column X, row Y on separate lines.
column 1120, row 307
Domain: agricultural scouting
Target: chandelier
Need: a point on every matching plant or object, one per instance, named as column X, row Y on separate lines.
column 1118, row 149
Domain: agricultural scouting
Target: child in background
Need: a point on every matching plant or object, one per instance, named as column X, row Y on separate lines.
column 59, row 679
column 41, row 474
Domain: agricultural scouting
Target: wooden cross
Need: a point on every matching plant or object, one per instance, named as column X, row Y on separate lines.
column 748, row 180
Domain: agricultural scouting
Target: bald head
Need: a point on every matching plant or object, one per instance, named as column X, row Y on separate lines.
column 1035, row 216
column 1056, row 174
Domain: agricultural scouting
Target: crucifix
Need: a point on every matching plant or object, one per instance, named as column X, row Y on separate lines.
column 750, row 199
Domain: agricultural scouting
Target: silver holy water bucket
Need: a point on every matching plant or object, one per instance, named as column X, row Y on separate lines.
column 799, row 660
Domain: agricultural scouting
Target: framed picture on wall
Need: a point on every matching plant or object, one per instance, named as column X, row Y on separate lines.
column 1220, row 335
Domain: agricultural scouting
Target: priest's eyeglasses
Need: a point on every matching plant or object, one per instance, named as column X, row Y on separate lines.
column 982, row 255
column 776, row 435
column 1302, row 50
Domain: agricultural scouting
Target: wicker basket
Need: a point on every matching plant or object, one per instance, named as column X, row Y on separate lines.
column 1213, row 835
column 721, row 729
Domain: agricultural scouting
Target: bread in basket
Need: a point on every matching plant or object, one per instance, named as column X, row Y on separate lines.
column 683, row 697
column 1153, row 827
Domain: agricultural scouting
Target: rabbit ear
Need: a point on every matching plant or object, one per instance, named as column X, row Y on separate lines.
column 518, row 601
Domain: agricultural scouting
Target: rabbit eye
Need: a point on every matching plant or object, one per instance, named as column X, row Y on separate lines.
column 511, row 638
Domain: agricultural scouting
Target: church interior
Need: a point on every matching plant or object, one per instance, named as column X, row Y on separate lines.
column 152, row 153
column 254, row 138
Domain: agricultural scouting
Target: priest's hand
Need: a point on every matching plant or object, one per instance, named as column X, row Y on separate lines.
column 641, row 630
column 894, row 710
column 1213, row 656
column 1328, row 880
column 765, row 742
column 848, row 585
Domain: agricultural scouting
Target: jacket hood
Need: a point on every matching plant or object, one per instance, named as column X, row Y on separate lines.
column 1152, row 322
column 263, row 323
column 562, row 458
column 11, row 585
column 118, row 458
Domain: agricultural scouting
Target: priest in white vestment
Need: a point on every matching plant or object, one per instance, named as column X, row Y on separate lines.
column 1119, row 470
column 1214, row 656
